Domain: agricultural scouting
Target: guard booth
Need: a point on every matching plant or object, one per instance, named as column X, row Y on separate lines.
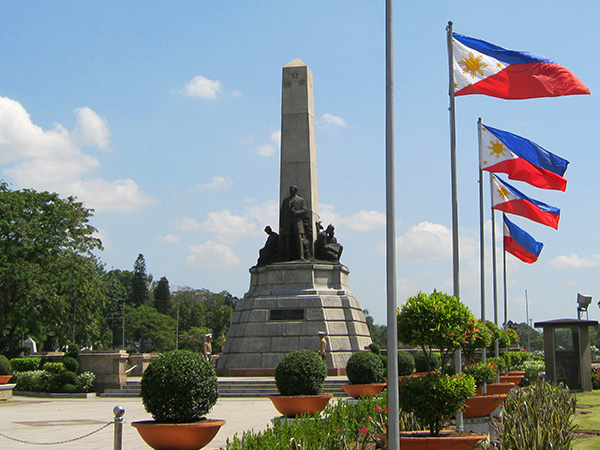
column 567, row 352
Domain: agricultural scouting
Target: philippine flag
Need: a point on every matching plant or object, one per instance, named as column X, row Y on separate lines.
column 508, row 199
column 519, row 243
column 484, row 68
column 521, row 159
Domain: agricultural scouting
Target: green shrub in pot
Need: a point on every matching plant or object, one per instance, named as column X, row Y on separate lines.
column 179, row 387
column 301, row 372
column 364, row 368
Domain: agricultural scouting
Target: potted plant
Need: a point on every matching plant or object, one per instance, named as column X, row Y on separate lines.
column 178, row 389
column 434, row 400
column 437, row 321
column 5, row 370
column 365, row 373
column 406, row 363
column 482, row 405
column 299, row 378
column 431, row 321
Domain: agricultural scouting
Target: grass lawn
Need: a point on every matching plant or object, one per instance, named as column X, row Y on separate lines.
column 588, row 419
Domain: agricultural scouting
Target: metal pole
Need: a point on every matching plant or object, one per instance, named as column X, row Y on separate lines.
column 118, row 411
column 392, row 323
column 123, row 326
column 527, row 311
column 494, row 273
column 481, row 230
column 455, row 248
column 177, row 331
column 505, row 294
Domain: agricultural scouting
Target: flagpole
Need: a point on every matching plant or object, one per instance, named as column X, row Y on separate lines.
column 455, row 249
column 392, row 321
column 481, row 230
column 481, row 246
column 505, row 294
column 494, row 270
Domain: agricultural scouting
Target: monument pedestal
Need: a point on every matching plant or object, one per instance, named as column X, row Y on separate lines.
column 287, row 305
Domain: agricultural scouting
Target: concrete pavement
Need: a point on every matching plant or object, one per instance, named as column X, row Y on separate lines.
column 52, row 420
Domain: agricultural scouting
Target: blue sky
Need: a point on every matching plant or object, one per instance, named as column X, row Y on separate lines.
column 164, row 117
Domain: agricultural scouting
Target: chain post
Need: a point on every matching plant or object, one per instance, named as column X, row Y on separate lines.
column 118, row 411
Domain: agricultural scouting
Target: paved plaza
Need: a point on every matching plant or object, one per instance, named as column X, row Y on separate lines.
column 52, row 420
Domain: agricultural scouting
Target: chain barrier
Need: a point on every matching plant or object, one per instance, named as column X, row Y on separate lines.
column 118, row 411
column 57, row 442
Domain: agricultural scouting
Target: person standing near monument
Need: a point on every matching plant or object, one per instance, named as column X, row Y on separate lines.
column 208, row 347
column 322, row 345
column 291, row 227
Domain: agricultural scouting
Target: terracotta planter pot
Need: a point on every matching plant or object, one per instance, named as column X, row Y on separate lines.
column 5, row 379
column 293, row 405
column 497, row 388
column 178, row 436
column 421, row 440
column 517, row 372
column 363, row 390
column 482, row 405
column 514, row 379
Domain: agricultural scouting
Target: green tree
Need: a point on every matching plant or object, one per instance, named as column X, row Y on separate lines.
column 192, row 311
column 148, row 330
column 434, row 321
column 193, row 339
column 528, row 335
column 119, row 284
column 162, row 296
column 140, row 294
column 50, row 282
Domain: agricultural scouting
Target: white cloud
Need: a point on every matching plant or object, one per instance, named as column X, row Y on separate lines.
column 228, row 227
column 52, row 160
column 202, row 87
column 361, row 221
column 425, row 241
column 188, row 224
column 91, row 129
column 213, row 255
column 266, row 213
column 168, row 239
column 265, row 150
column 574, row 261
column 365, row 221
column 121, row 195
column 329, row 120
column 217, row 183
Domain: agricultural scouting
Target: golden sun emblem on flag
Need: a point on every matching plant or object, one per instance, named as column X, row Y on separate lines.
column 497, row 148
column 503, row 192
column 472, row 64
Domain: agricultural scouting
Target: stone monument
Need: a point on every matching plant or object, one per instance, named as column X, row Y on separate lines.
column 298, row 287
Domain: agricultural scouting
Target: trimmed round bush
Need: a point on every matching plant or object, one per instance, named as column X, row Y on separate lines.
column 4, row 366
column 421, row 362
column 179, row 387
column 406, row 363
column 301, row 372
column 73, row 351
column 25, row 364
column 375, row 348
column 71, row 364
column 54, row 367
column 364, row 368
column 59, row 380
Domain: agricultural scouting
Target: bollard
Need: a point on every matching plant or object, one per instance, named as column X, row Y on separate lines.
column 118, row 411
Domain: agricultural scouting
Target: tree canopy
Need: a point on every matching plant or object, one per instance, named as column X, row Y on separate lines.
column 47, row 269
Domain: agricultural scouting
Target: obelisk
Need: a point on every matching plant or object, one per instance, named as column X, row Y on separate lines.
column 298, row 147
column 294, row 295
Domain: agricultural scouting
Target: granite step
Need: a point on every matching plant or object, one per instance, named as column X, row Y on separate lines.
column 230, row 387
